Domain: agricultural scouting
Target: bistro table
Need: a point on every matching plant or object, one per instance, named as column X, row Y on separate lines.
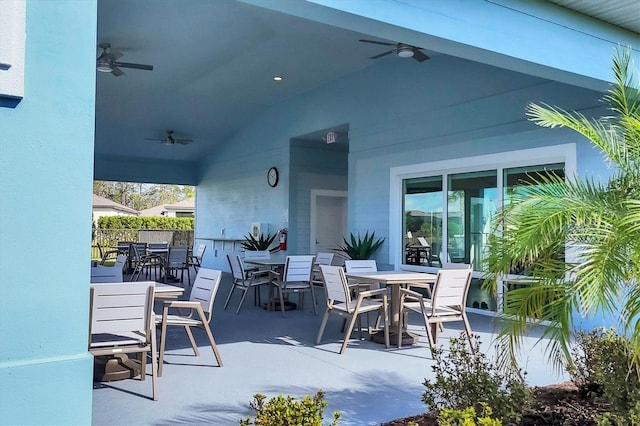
column 395, row 279
column 120, row 366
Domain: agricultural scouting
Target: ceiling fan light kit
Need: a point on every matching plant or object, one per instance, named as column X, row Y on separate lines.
column 401, row 50
column 405, row 51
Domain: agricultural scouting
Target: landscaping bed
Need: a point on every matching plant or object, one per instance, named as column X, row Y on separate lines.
column 557, row 404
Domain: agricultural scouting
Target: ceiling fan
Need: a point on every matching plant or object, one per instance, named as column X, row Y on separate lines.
column 170, row 139
column 107, row 61
column 400, row 49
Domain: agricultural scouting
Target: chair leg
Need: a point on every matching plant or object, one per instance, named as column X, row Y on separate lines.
column 163, row 339
column 347, row 335
column 154, row 365
column 233, row 287
column 205, row 325
column 400, row 330
column 313, row 299
column 281, row 301
column 386, row 327
column 323, row 324
column 192, row 340
column 467, row 328
column 244, row 294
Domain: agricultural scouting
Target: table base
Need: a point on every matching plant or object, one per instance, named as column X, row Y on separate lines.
column 407, row 338
column 117, row 367
column 274, row 305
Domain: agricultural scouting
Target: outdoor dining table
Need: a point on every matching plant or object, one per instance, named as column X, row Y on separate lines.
column 119, row 367
column 395, row 279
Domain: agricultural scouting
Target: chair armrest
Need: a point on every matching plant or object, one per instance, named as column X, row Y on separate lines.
column 370, row 293
column 405, row 292
column 181, row 304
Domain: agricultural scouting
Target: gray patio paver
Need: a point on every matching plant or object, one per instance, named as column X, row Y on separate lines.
column 263, row 352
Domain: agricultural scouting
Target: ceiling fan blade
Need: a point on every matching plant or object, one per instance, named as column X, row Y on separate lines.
column 135, row 66
column 183, row 141
column 383, row 54
column 153, row 139
column 418, row 55
column 377, row 42
column 116, row 71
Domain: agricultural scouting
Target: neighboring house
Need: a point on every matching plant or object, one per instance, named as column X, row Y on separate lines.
column 184, row 208
column 407, row 130
column 105, row 207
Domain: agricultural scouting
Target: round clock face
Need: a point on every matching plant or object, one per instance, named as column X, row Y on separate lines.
column 272, row 177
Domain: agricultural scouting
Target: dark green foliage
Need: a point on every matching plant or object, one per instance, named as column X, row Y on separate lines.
column 145, row 222
column 361, row 248
column 464, row 379
column 286, row 411
column 604, row 367
column 261, row 243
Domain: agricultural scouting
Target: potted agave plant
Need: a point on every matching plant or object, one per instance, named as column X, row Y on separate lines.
column 261, row 243
column 360, row 248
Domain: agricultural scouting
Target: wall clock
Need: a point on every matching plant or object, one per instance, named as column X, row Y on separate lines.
column 272, row 177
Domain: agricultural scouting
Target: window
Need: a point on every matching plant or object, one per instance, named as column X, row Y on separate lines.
column 443, row 199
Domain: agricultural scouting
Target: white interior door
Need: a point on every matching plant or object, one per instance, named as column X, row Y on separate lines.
column 330, row 222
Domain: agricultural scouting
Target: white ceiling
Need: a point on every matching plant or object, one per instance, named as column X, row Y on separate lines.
column 214, row 63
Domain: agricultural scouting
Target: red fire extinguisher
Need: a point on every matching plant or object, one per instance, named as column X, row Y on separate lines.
column 283, row 239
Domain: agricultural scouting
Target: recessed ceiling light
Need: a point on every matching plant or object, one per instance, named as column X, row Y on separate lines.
column 277, row 78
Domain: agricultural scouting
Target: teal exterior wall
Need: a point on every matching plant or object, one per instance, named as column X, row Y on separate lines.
column 399, row 113
column 46, row 171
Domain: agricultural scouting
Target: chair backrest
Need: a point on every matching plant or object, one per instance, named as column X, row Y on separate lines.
column 120, row 308
column 335, row 284
column 177, row 255
column 357, row 266
column 205, row 288
column 298, row 268
column 237, row 270
column 152, row 246
column 423, row 241
column 449, row 265
column 257, row 254
column 323, row 258
column 200, row 251
column 451, row 288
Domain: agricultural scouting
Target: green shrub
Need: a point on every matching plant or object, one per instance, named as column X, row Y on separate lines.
column 632, row 418
column 145, row 222
column 466, row 379
column 286, row 411
column 603, row 366
column 467, row 417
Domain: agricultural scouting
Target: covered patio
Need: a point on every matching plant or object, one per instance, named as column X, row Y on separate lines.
column 264, row 352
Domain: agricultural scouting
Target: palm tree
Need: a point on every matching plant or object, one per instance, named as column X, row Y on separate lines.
column 596, row 223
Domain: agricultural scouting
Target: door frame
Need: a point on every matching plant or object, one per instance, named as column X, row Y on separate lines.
column 315, row 193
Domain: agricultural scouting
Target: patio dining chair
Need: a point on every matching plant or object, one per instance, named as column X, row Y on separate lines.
column 195, row 260
column 144, row 263
column 447, row 303
column 121, row 322
column 340, row 302
column 177, row 260
column 322, row 258
column 243, row 281
column 295, row 278
column 203, row 293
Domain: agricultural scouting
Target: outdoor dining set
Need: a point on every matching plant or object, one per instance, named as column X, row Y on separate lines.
column 123, row 319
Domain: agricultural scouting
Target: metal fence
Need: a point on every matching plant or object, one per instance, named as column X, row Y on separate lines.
column 108, row 238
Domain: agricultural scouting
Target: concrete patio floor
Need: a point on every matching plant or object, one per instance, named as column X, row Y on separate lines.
column 264, row 352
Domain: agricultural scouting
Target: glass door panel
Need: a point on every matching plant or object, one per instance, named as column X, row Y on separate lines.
column 422, row 224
